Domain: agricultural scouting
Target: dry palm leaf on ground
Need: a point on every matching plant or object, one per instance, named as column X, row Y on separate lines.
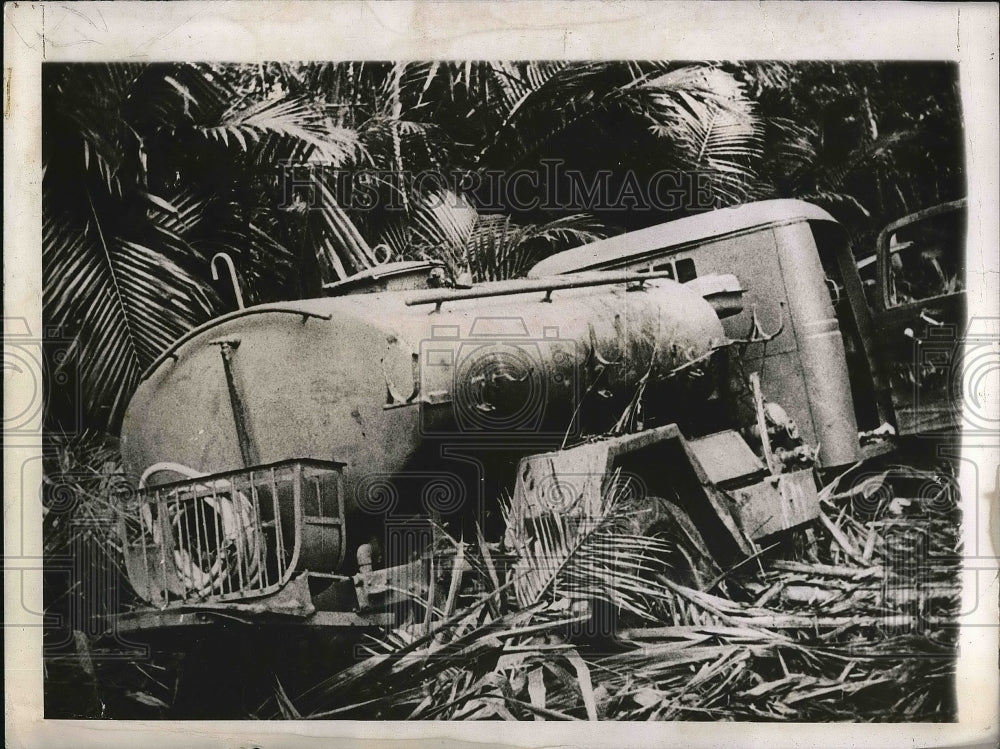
column 861, row 627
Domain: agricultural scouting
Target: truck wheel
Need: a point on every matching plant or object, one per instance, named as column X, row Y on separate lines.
column 690, row 564
column 690, row 561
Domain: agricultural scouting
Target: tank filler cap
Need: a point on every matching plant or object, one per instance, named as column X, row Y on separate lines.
column 408, row 275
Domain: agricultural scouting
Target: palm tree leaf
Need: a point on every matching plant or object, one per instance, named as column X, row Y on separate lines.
column 341, row 248
column 561, row 95
column 91, row 99
column 123, row 300
column 705, row 114
column 447, row 227
column 573, row 554
column 304, row 130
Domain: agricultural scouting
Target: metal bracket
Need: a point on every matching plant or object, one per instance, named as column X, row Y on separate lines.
column 765, row 440
column 248, row 451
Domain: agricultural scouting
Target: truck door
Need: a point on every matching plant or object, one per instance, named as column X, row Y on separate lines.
column 920, row 316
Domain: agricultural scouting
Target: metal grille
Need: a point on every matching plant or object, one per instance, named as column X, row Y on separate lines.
column 219, row 537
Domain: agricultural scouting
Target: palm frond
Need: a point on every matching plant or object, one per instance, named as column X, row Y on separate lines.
column 587, row 555
column 84, row 108
column 439, row 228
column 714, row 657
column 841, row 204
column 703, row 112
column 544, row 101
column 700, row 110
column 397, row 236
column 499, row 249
column 124, row 298
column 865, row 154
column 302, row 128
column 341, row 248
column 791, row 145
column 447, row 227
column 445, row 219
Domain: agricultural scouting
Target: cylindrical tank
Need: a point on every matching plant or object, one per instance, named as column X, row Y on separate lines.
column 385, row 389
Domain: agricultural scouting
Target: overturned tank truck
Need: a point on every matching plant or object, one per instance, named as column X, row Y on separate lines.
column 287, row 459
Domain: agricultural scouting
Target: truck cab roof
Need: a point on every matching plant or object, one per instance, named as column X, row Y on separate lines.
column 679, row 233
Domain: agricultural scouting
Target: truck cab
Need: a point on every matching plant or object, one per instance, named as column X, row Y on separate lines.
column 848, row 348
column 800, row 331
column 919, row 316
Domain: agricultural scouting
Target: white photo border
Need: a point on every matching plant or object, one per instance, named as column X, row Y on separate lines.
column 527, row 29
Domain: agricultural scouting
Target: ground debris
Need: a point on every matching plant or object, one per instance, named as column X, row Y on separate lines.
column 861, row 630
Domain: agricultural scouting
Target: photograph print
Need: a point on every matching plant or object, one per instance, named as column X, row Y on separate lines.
column 503, row 390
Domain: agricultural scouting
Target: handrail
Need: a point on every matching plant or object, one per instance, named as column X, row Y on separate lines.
column 170, row 351
column 233, row 278
column 598, row 278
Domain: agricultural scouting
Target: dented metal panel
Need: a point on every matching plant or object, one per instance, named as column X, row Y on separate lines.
column 726, row 457
column 777, row 504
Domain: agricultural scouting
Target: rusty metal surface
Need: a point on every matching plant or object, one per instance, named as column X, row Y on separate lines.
column 920, row 339
column 171, row 351
column 856, row 320
column 656, row 462
column 723, row 291
column 955, row 205
column 248, row 450
column 291, row 606
column 291, row 602
column 406, row 275
column 772, row 248
column 162, row 621
column 821, row 348
column 556, row 482
column 506, row 288
column 728, row 534
column 380, row 589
